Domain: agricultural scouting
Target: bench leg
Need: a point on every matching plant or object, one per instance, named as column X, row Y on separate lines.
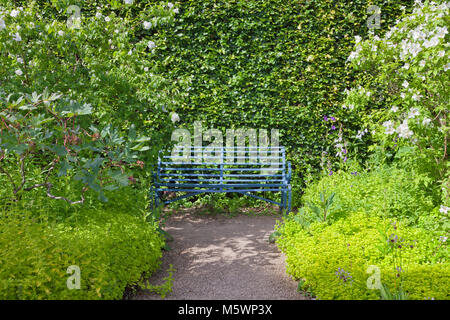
column 289, row 199
column 154, row 198
column 283, row 200
column 157, row 198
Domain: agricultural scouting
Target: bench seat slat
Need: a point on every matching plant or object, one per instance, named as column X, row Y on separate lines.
column 224, row 169
column 209, row 185
column 224, row 181
column 220, row 157
column 224, row 164
column 225, row 189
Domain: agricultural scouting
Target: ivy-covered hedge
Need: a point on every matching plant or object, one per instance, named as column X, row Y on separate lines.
column 269, row 64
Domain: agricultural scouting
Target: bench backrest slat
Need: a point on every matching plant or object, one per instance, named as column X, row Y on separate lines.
column 241, row 166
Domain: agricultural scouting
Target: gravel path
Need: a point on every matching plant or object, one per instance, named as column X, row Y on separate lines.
column 220, row 257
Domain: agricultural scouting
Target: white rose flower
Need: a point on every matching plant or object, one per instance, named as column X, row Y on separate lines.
column 60, row 33
column 147, row 25
column 175, row 117
column 176, row 10
column 414, row 49
column 170, row 5
column 394, row 109
column 129, row 1
column 389, row 127
column 353, row 55
column 98, row 15
column 431, row 43
column 151, row 45
column 404, row 131
column 426, row 122
column 14, row 13
column 405, row 84
column 107, row 19
column 441, row 32
column 2, row 24
column 17, row 37
column 19, row 60
column 19, row 72
column 444, row 209
column 413, row 113
column 416, row 96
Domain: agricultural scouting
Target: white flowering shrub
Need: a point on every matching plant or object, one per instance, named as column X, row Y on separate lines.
column 66, row 82
column 410, row 85
column 106, row 58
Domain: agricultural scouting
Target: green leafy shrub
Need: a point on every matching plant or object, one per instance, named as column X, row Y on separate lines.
column 52, row 131
column 385, row 191
column 318, row 254
column 112, row 249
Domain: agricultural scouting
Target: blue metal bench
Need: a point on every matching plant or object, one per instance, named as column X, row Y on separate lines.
column 245, row 170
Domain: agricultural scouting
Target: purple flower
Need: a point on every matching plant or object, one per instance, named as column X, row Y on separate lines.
column 393, row 238
column 343, row 275
column 345, row 159
column 331, row 173
column 333, row 119
column 325, row 118
column 333, row 127
column 355, row 173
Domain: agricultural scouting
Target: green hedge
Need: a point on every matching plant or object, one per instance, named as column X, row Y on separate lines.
column 112, row 249
column 269, row 64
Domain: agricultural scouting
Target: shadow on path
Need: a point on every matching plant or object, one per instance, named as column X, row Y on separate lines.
column 219, row 257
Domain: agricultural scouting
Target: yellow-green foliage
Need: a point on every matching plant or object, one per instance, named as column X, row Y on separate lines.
column 111, row 248
column 314, row 255
column 386, row 191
